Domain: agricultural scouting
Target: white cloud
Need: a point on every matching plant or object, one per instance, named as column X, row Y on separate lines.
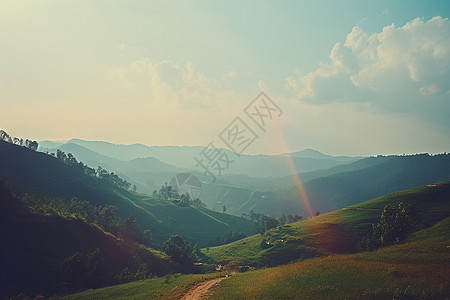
column 170, row 82
column 400, row 69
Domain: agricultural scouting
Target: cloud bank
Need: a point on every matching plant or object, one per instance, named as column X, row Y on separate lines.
column 399, row 70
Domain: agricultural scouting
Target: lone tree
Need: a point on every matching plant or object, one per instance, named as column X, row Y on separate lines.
column 180, row 250
column 395, row 224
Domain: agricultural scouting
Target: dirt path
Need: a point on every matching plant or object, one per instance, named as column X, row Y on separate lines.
column 200, row 290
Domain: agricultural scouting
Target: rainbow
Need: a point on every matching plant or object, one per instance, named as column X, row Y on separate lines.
column 298, row 183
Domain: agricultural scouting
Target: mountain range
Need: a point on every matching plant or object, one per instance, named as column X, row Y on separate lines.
column 259, row 166
column 150, row 167
column 335, row 188
column 329, row 182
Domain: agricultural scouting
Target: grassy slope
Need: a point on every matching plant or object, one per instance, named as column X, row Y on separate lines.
column 419, row 268
column 169, row 287
column 34, row 171
column 336, row 232
column 216, row 195
column 201, row 226
column 34, row 247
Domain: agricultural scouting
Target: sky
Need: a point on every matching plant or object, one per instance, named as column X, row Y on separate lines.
column 350, row 77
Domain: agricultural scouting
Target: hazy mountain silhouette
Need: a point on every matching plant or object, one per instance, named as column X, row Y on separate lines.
column 183, row 157
column 341, row 187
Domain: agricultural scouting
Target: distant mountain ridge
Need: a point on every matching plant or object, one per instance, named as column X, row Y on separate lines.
column 311, row 153
column 93, row 159
column 337, row 187
column 183, row 157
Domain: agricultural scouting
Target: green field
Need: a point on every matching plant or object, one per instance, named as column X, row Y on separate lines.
column 419, row 268
column 333, row 233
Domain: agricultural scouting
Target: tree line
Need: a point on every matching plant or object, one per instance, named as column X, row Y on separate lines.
column 106, row 216
column 69, row 159
column 100, row 173
column 33, row 145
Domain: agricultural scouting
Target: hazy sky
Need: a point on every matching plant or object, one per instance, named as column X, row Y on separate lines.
column 352, row 77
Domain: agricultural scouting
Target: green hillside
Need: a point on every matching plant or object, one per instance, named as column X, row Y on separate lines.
column 417, row 269
column 219, row 194
column 51, row 254
column 196, row 225
column 335, row 232
column 39, row 172
column 146, row 173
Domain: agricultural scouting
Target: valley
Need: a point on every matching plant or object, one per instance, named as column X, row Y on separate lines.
column 231, row 150
column 55, row 195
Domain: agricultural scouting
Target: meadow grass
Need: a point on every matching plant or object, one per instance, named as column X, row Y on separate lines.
column 171, row 286
column 339, row 278
column 418, row 268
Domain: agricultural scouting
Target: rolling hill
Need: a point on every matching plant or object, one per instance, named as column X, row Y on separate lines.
column 415, row 269
column 47, row 254
column 339, row 187
column 336, row 232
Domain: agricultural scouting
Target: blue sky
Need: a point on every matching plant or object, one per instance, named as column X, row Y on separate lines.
column 353, row 77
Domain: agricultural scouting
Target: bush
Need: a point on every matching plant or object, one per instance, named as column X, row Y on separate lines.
column 180, row 250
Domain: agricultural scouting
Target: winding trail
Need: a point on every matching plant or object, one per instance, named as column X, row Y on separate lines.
column 201, row 290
